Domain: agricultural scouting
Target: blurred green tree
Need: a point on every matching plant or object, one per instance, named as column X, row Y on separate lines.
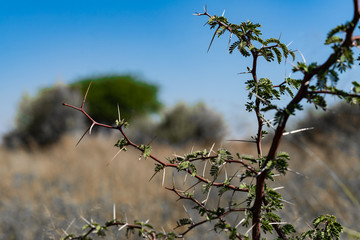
column 134, row 97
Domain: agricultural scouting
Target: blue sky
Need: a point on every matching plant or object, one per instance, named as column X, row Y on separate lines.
column 43, row 42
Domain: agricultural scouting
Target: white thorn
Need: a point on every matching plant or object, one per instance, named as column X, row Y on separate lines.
column 185, row 178
column 268, row 122
column 242, row 220
column 287, row 202
column 71, row 223
column 115, row 156
column 187, row 212
column 302, row 56
column 207, row 197
column 278, row 223
column 123, row 226
column 297, row 173
column 296, row 67
column 212, row 147
column 114, row 211
column 65, row 232
column 226, row 175
column 163, row 178
column 249, row 229
column 203, row 173
column 260, row 98
column 85, row 220
column 118, row 113
column 297, row 131
column 91, row 127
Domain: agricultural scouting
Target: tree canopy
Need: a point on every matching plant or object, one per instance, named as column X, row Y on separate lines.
column 134, row 97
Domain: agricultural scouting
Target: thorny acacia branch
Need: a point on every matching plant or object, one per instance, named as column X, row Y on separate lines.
column 349, row 41
column 164, row 165
column 298, row 97
column 260, row 201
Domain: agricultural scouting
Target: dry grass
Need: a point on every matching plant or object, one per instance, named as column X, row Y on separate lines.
column 328, row 182
column 45, row 191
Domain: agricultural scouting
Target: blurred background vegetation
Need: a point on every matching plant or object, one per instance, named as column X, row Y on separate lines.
column 47, row 190
column 42, row 120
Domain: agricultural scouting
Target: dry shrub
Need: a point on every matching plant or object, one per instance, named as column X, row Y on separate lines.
column 42, row 120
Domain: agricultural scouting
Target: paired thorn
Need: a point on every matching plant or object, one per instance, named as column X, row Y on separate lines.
column 81, row 109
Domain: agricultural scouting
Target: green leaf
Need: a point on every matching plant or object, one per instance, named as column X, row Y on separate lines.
column 272, row 40
column 285, row 50
column 192, row 169
column 184, row 221
column 338, row 29
column 234, row 46
column 333, row 39
column 158, row 167
column 121, row 143
column 326, row 227
column 214, row 171
column 288, row 229
column 267, row 54
column 183, row 165
column 278, row 54
column 146, row 149
column 292, row 53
